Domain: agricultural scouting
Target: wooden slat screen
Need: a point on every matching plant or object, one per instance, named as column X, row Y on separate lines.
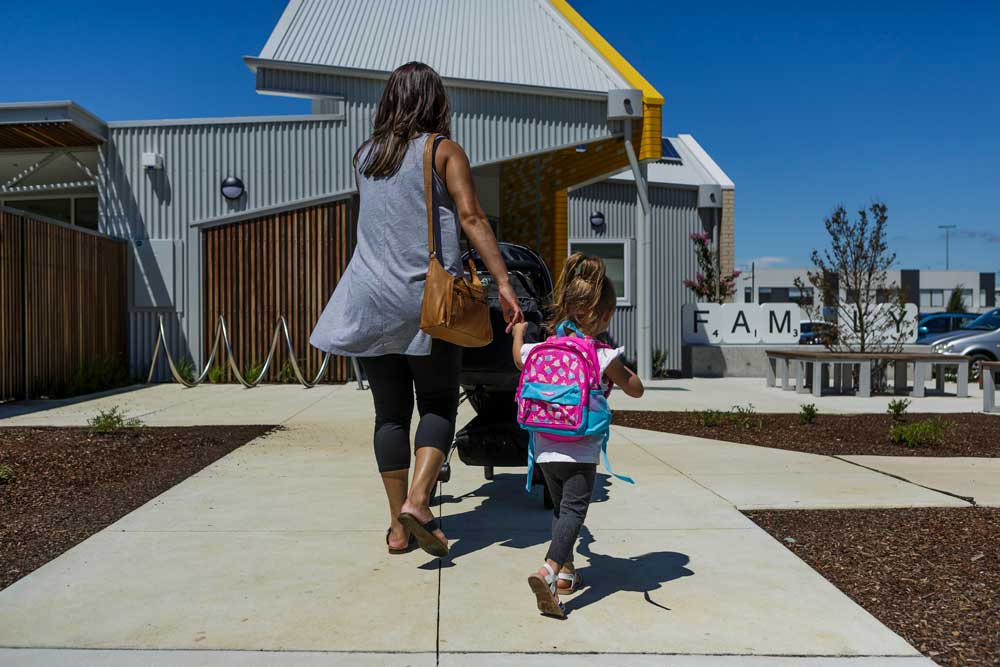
column 62, row 301
column 282, row 264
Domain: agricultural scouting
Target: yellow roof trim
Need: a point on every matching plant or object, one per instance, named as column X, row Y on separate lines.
column 608, row 52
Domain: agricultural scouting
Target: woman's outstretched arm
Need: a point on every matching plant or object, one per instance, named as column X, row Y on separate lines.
column 452, row 164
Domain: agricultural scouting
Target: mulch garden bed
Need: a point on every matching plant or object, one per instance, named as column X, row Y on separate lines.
column 931, row 575
column 68, row 483
column 970, row 434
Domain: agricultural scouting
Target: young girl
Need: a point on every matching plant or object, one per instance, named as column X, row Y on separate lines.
column 585, row 296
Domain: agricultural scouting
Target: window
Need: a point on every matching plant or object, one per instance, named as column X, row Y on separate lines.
column 85, row 212
column 747, row 295
column 57, row 209
column 938, row 325
column 931, row 298
column 802, row 296
column 617, row 256
column 81, row 211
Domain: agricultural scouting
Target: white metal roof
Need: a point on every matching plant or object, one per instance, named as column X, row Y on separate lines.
column 694, row 168
column 512, row 42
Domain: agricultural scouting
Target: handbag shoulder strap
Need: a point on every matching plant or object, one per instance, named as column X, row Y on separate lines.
column 429, row 188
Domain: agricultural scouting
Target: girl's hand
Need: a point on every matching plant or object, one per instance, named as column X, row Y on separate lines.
column 510, row 305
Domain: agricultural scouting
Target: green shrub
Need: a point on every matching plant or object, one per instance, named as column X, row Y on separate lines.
column 252, row 372
column 113, row 420
column 746, row 417
column 93, row 376
column 6, row 474
column 287, row 373
column 659, row 363
column 218, row 375
column 897, row 408
column 808, row 413
column 919, row 434
column 185, row 368
column 713, row 418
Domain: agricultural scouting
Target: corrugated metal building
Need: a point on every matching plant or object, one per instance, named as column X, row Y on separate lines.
column 529, row 84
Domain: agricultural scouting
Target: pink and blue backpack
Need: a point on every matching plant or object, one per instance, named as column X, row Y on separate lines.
column 560, row 393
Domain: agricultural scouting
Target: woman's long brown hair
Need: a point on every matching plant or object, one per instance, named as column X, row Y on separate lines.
column 584, row 294
column 413, row 102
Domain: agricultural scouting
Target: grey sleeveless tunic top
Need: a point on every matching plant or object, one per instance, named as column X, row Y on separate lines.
column 375, row 308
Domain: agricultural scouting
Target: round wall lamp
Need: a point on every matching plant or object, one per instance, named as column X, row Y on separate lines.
column 597, row 220
column 232, row 188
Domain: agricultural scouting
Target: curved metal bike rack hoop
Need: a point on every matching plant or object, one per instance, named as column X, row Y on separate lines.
column 222, row 334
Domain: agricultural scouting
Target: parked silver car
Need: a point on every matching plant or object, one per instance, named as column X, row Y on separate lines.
column 978, row 345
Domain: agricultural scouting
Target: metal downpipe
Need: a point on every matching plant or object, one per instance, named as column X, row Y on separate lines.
column 644, row 261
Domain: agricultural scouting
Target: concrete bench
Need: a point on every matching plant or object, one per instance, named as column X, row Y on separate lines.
column 819, row 366
column 986, row 371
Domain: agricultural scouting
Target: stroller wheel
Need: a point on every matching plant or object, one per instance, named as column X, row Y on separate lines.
column 488, row 472
column 444, row 475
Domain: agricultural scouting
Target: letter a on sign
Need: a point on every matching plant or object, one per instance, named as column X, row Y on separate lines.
column 741, row 323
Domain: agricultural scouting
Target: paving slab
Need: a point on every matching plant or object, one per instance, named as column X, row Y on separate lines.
column 766, row 478
column 657, row 660
column 268, row 590
column 966, row 476
column 120, row 658
column 126, row 658
column 659, row 591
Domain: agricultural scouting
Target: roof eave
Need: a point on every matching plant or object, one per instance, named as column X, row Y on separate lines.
column 59, row 111
column 254, row 63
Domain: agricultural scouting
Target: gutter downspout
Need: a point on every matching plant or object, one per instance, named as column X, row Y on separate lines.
column 644, row 262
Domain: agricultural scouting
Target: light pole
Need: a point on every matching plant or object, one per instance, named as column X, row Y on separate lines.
column 947, row 259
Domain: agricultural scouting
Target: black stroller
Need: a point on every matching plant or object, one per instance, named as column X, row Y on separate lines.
column 489, row 377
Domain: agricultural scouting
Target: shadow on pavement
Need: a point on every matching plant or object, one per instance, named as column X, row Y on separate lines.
column 20, row 408
column 606, row 574
column 510, row 517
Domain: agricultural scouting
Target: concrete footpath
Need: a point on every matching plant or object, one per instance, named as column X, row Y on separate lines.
column 274, row 555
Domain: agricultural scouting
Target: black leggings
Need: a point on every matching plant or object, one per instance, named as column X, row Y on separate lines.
column 570, row 485
column 393, row 378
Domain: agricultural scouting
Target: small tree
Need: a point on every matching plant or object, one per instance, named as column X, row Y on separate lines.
column 956, row 302
column 709, row 283
column 851, row 276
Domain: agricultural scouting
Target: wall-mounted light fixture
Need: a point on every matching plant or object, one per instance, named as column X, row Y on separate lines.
column 597, row 220
column 232, row 188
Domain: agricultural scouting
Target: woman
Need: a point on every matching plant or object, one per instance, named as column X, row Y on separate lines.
column 374, row 313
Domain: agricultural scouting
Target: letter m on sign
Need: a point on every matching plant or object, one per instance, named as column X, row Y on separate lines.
column 785, row 325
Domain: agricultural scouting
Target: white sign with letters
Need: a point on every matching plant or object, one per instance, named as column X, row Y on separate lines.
column 887, row 320
column 740, row 323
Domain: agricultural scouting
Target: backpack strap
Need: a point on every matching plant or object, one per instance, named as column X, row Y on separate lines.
column 531, row 460
column 607, row 463
column 567, row 324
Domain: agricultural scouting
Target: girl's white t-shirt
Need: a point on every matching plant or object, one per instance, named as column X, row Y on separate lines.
column 586, row 449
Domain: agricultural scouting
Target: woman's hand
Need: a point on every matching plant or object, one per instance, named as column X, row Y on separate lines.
column 510, row 305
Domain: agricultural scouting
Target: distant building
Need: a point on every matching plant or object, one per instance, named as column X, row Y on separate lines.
column 930, row 290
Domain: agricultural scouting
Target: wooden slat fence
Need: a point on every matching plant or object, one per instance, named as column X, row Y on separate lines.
column 282, row 264
column 63, row 304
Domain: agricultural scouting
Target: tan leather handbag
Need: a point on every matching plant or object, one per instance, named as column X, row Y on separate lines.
column 453, row 308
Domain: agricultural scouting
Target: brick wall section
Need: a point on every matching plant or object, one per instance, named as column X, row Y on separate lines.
column 727, row 233
column 534, row 190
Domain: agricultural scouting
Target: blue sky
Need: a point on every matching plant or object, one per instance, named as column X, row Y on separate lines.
column 804, row 108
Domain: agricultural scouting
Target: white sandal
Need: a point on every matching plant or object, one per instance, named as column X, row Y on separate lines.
column 575, row 580
column 544, row 589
